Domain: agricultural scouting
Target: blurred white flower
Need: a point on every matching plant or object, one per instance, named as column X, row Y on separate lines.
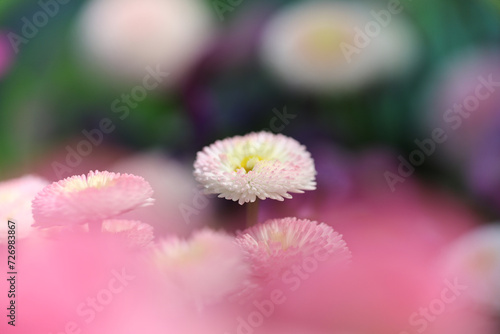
column 123, row 37
column 206, row 267
column 475, row 260
column 328, row 46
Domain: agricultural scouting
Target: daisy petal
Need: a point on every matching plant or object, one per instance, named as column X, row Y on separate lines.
column 86, row 198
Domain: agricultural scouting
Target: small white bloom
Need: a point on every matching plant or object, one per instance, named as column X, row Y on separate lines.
column 475, row 260
column 123, row 37
column 257, row 165
column 323, row 47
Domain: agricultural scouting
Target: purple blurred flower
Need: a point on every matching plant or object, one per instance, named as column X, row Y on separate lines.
column 463, row 100
column 5, row 54
column 483, row 174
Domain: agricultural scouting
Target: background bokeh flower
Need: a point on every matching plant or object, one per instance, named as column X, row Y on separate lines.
column 482, row 170
column 124, row 38
column 326, row 47
column 451, row 103
column 474, row 258
column 5, row 53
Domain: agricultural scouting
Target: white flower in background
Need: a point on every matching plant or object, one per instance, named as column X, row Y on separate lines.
column 15, row 204
column 475, row 260
column 123, row 37
column 310, row 46
column 257, row 165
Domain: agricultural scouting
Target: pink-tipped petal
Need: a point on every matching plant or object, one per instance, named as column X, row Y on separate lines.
column 277, row 244
column 88, row 198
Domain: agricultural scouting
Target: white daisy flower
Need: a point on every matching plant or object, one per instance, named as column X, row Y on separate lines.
column 258, row 165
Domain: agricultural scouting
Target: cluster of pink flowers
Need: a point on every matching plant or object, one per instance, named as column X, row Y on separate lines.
column 86, row 269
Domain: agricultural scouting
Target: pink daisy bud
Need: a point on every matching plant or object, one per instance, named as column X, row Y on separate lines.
column 278, row 244
column 15, row 204
column 257, row 165
column 90, row 198
column 205, row 268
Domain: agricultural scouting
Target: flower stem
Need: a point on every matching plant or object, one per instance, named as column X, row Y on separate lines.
column 253, row 213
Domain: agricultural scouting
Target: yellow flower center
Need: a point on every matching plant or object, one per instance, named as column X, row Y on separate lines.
column 96, row 181
column 279, row 237
column 184, row 254
column 249, row 162
column 286, row 240
column 322, row 43
column 484, row 260
column 8, row 196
